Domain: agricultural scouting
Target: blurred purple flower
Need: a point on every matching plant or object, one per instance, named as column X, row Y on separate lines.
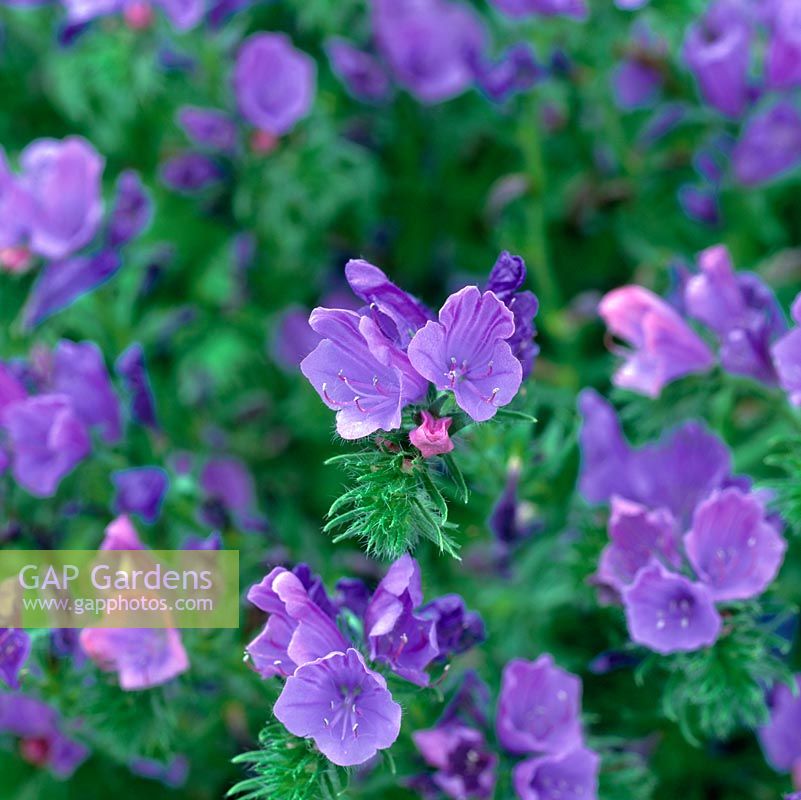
column 516, row 71
column 172, row 773
column 132, row 209
column 140, row 490
column 636, row 84
column 700, row 203
column 274, row 82
column 16, row 207
column 190, row 172
column 183, row 14
column 11, row 389
column 577, row 9
column 294, row 338
column 769, row 145
column 228, row 487
column 15, row 647
column 79, row 372
column 664, row 346
column 457, row 629
column 130, row 366
column 668, row 613
column 120, row 534
column 211, row 542
column 783, row 56
column 786, row 353
column 571, row 776
column 465, row 765
column 539, row 708
column 208, row 127
column 430, row 437
column 779, row 738
column 510, row 520
column 48, row 441
column 342, row 705
column 362, row 74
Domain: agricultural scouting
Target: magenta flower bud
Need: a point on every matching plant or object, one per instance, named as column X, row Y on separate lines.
column 274, row 82
column 431, row 436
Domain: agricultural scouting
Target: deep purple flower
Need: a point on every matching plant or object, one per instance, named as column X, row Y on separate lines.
column 274, row 82
column 352, row 594
column 294, row 338
column 668, row 613
column 539, row 708
column 11, row 389
column 779, row 738
column 511, row 520
column 700, row 203
column 228, row 488
column 457, row 629
column 15, row 647
column 132, row 209
column 397, row 636
column 130, row 366
column 465, row 765
column 190, row 172
column 636, row 83
column 577, row 9
column 79, row 372
column 433, row 47
column 467, row 352
column 572, row 776
column 315, row 588
column 208, row 127
column 516, row 71
column 48, row 441
column 172, row 773
column 430, row 437
column 360, row 373
column 732, row 547
column 61, row 283
column 664, row 346
column 141, row 657
column 211, row 542
column 637, row 536
column 42, row 741
column 297, row 631
column 362, row 74
column 717, row 50
column 63, row 180
column 786, row 353
column 769, row 145
column 783, row 57
column 400, row 315
column 342, row 705
column 141, row 491
column 742, row 311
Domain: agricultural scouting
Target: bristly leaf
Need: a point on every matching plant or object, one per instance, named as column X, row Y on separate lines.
column 392, row 505
column 287, row 768
column 788, row 488
column 457, row 476
column 625, row 773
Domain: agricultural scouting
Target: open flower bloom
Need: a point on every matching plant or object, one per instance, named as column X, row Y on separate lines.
column 786, row 354
column 456, row 628
column 779, row 738
column 668, row 613
column 664, row 347
column 399, row 637
column 732, row 547
column 360, row 373
column 274, row 82
column 342, row 705
column 465, row 765
column 297, row 631
column 539, row 708
column 466, row 352
column 571, row 776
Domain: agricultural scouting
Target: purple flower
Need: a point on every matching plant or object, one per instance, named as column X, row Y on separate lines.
column 15, row 647
column 359, row 373
column 342, row 705
column 433, row 47
column 467, row 352
column 11, row 389
column 172, row 773
column 456, row 628
column 400, row 315
column 636, row 84
column 141, row 491
column 130, row 366
column 141, row 657
column 211, row 542
column 700, row 203
column 297, row 631
column 769, row 145
column 637, row 536
column 363, row 75
column 717, row 50
column 668, row 613
column 190, row 172
column 465, row 766
column 294, row 338
column 63, row 180
column 779, row 738
column 120, row 534
column 38, row 728
column 352, row 594
column 80, row 373
column 664, row 346
column 183, row 14
column 61, row 283
column 48, row 441
column 572, row 776
column 786, row 353
column 732, row 547
column 406, row 641
column 577, row 9
column 274, row 82
column 510, row 520
column 783, row 57
column 516, row 71
column 539, row 708
column 208, row 127
column 132, row 209
column 16, row 207
column 229, row 490
column 431, row 436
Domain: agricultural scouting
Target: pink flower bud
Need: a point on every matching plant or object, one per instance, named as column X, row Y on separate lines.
column 431, row 436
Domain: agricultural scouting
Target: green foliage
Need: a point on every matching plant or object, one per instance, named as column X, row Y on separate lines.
column 287, row 768
column 625, row 774
column 787, row 459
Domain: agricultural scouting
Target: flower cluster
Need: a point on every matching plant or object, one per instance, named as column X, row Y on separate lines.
column 731, row 546
column 331, row 695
